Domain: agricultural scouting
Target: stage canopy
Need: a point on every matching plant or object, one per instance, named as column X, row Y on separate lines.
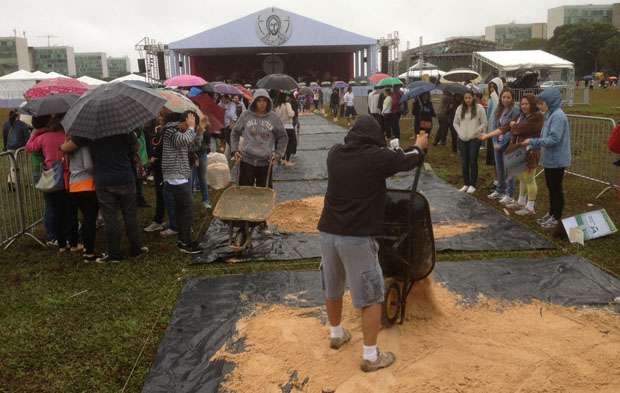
column 274, row 40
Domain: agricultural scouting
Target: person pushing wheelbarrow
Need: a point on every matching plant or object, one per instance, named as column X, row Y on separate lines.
column 264, row 144
column 352, row 216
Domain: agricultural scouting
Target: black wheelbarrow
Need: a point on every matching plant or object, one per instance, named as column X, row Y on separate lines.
column 407, row 250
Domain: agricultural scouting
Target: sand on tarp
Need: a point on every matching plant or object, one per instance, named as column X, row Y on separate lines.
column 443, row 346
column 302, row 216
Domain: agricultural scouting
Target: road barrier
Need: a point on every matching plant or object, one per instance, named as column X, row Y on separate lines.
column 21, row 204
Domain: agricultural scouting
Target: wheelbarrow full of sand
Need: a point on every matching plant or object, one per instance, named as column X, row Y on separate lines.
column 245, row 207
column 407, row 248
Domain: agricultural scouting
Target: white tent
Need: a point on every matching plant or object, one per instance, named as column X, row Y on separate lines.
column 12, row 91
column 18, row 75
column 40, row 75
column 503, row 63
column 91, row 81
column 56, row 75
column 419, row 73
column 130, row 77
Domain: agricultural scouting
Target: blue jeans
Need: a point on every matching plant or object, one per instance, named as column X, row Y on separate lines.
column 200, row 176
column 504, row 187
column 468, row 151
column 170, row 208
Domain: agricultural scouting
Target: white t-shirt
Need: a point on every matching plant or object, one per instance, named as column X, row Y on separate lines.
column 348, row 99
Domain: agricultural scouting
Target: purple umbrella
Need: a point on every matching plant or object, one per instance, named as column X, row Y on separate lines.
column 341, row 85
column 223, row 88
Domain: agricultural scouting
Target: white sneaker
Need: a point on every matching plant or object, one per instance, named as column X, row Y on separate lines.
column 206, row 205
column 525, row 212
column 471, row 189
column 154, row 227
column 543, row 218
column 463, row 189
column 495, row 195
column 168, row 232
column 506, row 200
column 550, row 223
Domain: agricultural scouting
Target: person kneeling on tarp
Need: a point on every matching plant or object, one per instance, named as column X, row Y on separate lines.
column 264, row 140
column 352, row 215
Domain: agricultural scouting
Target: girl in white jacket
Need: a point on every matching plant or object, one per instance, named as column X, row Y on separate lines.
column 285, row 112
column 470, row 121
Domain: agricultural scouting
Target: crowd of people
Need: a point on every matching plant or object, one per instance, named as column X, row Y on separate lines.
column 106, row 176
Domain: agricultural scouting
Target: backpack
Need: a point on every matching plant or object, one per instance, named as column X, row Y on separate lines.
column 614, row 140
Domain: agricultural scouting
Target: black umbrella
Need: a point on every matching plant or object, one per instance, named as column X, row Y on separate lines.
column 277, row 82
column 454, row 88
column 112, row 109
column 49, row 105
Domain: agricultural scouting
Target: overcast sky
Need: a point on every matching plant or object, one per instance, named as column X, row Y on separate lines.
column 115, row 26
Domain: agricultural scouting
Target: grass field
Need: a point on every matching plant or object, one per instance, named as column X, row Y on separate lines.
column 70, row 327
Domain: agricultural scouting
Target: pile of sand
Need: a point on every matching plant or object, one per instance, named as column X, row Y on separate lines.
column 297, row 216
column 302, row 216
column 442, row 347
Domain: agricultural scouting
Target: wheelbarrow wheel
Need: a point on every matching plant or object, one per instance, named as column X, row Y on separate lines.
column 390, row 310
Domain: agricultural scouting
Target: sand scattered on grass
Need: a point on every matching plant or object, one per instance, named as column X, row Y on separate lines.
column 443, row 347
column 441, row 231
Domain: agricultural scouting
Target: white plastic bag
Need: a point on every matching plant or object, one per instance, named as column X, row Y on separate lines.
column 218, row 174
column 213, row 158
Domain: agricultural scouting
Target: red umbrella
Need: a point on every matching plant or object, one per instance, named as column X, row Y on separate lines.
column 246, row 93
column 376, row 78
column 214, row 113
column 56, row 86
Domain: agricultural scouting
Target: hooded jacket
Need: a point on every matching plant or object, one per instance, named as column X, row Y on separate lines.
column 554, row 138
column 355, row 198
column 494, row 101
column 263, row 135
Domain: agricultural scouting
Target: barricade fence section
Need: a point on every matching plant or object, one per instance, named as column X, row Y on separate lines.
column 571, row 95
column 10, row 216
column 21, row 203
column 591, row 158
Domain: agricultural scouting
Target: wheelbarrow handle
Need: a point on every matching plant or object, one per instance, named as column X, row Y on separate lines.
column 269, row 170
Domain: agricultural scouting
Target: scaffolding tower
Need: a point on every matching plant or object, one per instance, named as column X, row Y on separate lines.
column 155, row 55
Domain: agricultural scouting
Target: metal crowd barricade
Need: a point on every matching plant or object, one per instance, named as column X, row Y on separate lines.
column 571, row 95
column 591, row 158
column 21, row 204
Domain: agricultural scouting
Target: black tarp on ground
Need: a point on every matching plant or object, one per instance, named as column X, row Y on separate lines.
column 318, row 141
column 208, row 309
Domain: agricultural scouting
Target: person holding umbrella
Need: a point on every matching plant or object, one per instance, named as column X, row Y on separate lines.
column 424, row 112
column 334, row 102
column 103, row 120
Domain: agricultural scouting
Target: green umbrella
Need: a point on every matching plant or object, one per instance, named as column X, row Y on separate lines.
column 387, row 82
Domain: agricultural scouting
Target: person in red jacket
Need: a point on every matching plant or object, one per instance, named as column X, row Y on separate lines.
column 614, row 145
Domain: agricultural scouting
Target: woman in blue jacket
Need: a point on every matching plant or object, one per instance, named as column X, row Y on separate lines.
column 554, row 142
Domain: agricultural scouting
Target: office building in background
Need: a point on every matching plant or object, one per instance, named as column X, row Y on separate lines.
column 60, row 59
column 93, row 64
column 14, row 55
column 506, row 35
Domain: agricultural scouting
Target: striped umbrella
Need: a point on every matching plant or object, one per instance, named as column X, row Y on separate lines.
column 112, row 109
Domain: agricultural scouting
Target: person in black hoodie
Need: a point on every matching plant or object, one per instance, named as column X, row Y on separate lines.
column 352, row 215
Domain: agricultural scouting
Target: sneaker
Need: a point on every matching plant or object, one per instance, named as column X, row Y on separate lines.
column 207, row 205
column 525, row 212
column 495, row 195
column 506, row 200
column 105, row 258
column 471, row 189
column 191, row 248
column 168, row 232
column 337, row 342
column 514, row 205
column 79, row 247
column 90, row 258
column 543, row 218
column 154, row 227
column 143, row 250
column 463, row 189
column 384, row 359
column 52, row 243
column 550, row 223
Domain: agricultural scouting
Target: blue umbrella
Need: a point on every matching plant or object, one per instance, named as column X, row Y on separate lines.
column 421, row 88
column 195, row 91
column 415, row 84
column 340, row 85
column 588, row 78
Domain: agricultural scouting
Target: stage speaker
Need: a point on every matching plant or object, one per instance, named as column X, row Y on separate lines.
column 141, row 66
column 161, row 65
column 385, row 60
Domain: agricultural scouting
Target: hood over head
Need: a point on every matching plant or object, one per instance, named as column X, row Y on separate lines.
column 365, row 131
column 552, row 97
column 261, row 93
column 500, row 85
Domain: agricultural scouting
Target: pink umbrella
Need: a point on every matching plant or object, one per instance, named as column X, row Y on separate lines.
column 185, row 81
column 56, row 86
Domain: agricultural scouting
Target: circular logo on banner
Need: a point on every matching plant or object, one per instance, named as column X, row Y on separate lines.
column 273, row 27
column 273, row 65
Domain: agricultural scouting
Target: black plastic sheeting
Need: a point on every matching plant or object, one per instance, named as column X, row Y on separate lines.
column 319, row 141
column 206, row 314
column 309, row 165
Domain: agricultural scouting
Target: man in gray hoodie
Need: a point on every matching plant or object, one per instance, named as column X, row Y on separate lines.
column 264, row 140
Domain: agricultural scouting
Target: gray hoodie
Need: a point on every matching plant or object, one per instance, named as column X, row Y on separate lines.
column 263, row 135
